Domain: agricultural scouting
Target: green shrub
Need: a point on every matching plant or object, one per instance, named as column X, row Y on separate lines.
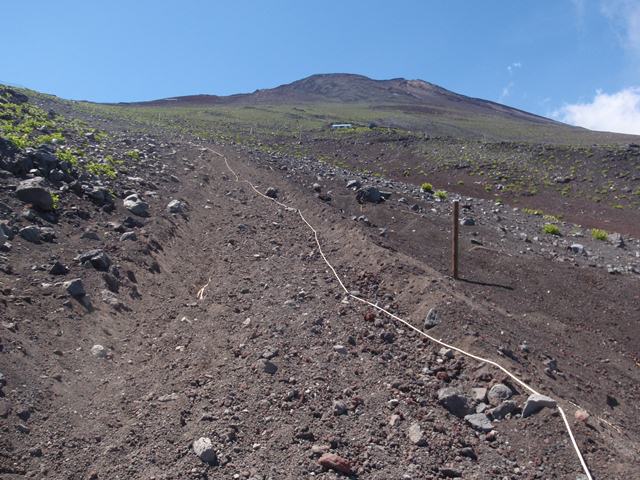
column 18, row 141
column 56, row 200
column 102, row 169
column 599, row 234
column 426, row 187
column 42, row 139
column 68, row 156
column 551, row 229
column 532, row 211
column 441, row 194
column 133, row 154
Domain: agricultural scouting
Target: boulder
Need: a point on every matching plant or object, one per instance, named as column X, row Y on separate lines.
column 44, row 159
column 454, row 401
column 98, row 259
column 136, row 205
column 502, row 410
column 30, row 234
column 535, row 403
column 203, row 448
column 371, row 195
column 176, row 206
column 479, row 421
column 74, row 287
column 498, row 394
column 34, row 192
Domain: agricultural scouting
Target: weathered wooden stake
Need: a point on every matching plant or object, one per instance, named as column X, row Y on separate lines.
column 454, row 240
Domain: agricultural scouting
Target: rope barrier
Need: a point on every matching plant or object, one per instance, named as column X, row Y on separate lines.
column 406, row 323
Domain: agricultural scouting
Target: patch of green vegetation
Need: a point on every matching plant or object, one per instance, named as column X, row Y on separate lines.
column 50, row 138
column 441, row 194
column 18, row 141
column 56, row 200
column 426, row 187
column 133, row 155
column 68, row 156
column 552, row 218
column 599, row 234
column 551, row 229
column 531, row 211
column 101, row 169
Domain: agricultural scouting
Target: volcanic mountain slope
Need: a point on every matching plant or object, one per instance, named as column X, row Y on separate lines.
column 414, row 131
column 207, row 314
column 420, row 104
column 351, row 88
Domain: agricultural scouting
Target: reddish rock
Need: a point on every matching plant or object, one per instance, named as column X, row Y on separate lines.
column 335, row 462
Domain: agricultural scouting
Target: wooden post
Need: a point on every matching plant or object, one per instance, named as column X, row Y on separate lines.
column 454, row 240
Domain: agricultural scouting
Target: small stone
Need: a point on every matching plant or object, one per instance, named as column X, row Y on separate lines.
column 450, row 473
column 271, row 192
column 416, row 436
column 203, row 448
column 176, row 206
column 394, row 420
column 479, row 421
column 577, row 249
column 99, row 351
column 581, row 415
column 468, row 222
column 432, row 319
column 335, row 462
column 479, row 394
column 316, row 187
column 446, row 352
column 498, row 394
column 535, row 403
column 266, row 366
column 341, row 349
column 58, row 269
column 128, row 236
column 339, row 408
column 469, row 453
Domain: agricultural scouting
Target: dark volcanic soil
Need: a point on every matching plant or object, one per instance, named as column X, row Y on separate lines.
column 272, row 363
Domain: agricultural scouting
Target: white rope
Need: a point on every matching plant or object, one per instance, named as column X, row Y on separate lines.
column 409, row 325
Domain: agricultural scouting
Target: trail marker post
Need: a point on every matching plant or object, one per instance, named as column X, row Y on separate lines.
column 454, row 239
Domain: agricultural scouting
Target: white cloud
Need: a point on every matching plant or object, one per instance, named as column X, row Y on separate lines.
column 615, row 112
column 625, row 18
column 511, row 68
column 506, row 91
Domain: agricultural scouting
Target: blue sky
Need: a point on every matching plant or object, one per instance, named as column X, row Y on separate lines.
column 544, row 56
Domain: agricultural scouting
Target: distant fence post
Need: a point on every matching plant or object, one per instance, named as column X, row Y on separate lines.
column 454, row 240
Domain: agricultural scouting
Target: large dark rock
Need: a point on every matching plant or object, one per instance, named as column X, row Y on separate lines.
column 455, row 401
column 9, row 95
column 371, row 195
column 44, row 159
column 33, row 191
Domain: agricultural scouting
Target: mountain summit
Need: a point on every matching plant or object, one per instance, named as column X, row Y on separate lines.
column 414, row 96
